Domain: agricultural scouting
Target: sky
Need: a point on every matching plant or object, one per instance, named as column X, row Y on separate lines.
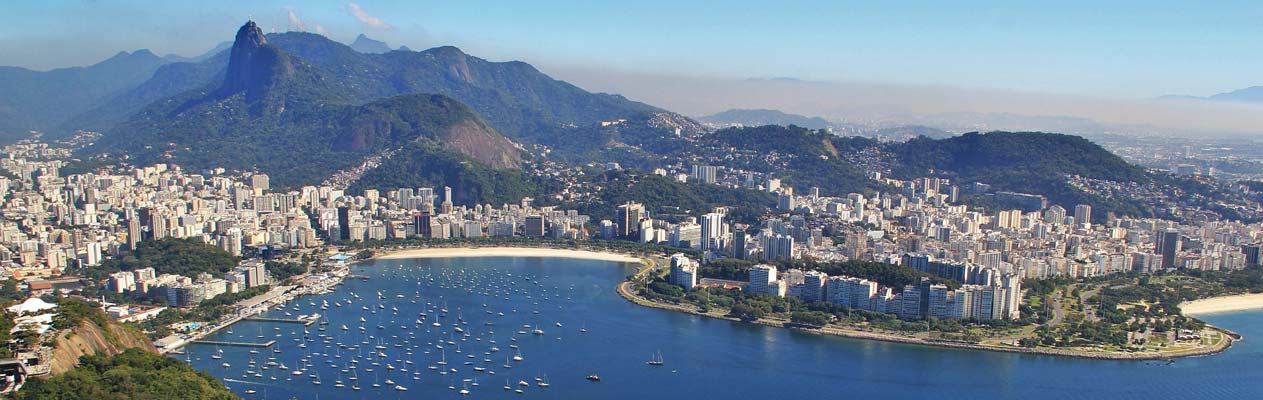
column 1047, row 54
column 1130, row 49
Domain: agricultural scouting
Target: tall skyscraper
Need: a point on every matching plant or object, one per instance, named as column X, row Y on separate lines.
column 712, row 230
column 1082, row 215
column 446, row 207
column 344, row 223
column 739, row 241
column 1168, row 246
column 1251, row 252
column 421, row 224
column 627, row 217
column 133, row 230
column 534, row 226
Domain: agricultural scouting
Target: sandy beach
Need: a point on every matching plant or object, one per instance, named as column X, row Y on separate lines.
column 506, row 252
column 1223, row 304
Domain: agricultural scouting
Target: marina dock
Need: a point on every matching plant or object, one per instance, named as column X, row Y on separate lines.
column 238, row 344
column 306, row 320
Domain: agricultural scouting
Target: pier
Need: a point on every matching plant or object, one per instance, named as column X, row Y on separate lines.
column 238, row 344
column 306, row 320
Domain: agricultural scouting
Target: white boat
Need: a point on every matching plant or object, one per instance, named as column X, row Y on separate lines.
column 656, row 360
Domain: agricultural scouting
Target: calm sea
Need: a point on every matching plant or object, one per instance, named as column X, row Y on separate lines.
column 703, row 358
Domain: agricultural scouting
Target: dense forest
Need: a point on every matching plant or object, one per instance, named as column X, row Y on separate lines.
column 187, row 257
column 426, row 164
column 1027, row 162
column 133, row 374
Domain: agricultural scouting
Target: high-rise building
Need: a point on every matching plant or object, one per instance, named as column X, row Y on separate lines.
column 739, row 242
column 253, row 273
column 609, row 230
column 1082, row 215
column 1251, row 252
column 259, row 182
column 785, row 202
column 712, row 231
column 344, row 223
column 683, row 271
column 534, row 226
column 777, row 246
column 1168, row 246
column 707, row 174
column 446, row 206
column 133, row 231
column 421, row 224
column 1055, row 215
column 814, row 286
column 628, row 217
column 763, row 279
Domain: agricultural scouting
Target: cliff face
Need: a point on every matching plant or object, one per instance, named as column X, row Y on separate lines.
column 89, row 339
column 475, row 139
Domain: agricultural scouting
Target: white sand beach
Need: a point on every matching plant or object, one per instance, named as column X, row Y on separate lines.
column 507, row 252
column 1223, row 304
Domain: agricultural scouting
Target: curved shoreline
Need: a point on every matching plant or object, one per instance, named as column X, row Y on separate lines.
column 648, row 265
column 463, row 252
column 1223, row 304
column 1224, row 343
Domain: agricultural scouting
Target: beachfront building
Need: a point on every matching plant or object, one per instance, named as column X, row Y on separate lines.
column 684, row 271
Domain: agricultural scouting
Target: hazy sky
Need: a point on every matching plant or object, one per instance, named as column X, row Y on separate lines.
column 1120, row 49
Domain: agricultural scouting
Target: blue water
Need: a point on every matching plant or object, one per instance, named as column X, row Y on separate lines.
column 705, row 358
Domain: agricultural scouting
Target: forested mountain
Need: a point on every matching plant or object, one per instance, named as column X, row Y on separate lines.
column 1028, row 162
column 133, row 374
column 276, row 113
column 1007, row 156
column 512, row 97
column 41, row 100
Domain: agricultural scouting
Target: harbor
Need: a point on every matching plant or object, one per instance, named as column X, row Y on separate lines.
column 587, row 330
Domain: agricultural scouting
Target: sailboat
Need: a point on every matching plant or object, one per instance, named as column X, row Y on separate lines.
column 656, row 360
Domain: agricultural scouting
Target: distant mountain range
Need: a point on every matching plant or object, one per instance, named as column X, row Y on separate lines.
column 426, row 118
column 1253, row 94
column 38, row 100
column 760, row 117
column 369, row 46
column 512, row 97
